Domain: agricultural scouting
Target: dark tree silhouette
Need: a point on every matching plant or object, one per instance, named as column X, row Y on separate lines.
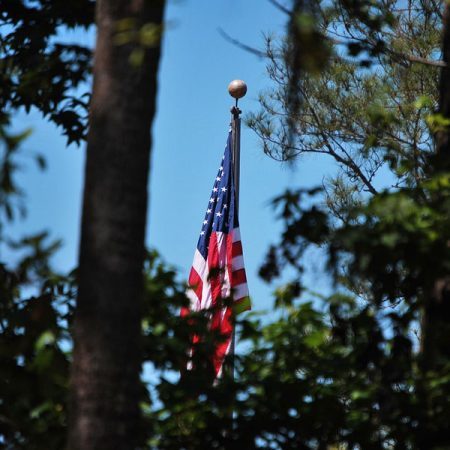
column 106, row 366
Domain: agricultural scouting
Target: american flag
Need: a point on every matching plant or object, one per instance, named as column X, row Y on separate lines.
column 218, row 269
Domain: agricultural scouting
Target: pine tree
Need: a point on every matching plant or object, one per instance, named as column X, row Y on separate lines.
column 367, row 88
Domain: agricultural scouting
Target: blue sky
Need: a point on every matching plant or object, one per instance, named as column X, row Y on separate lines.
column 189, row 133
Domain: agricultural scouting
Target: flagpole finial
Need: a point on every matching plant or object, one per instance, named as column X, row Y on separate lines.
column 237, row 89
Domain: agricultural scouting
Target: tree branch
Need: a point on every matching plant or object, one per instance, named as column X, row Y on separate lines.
column 241, row 45
column 394, row 53
column 280, row 7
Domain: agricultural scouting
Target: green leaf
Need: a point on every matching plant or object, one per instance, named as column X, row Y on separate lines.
column 45, row 339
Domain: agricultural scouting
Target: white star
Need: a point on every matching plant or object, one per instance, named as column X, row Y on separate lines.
column 218, row 178
column 219, row 214
column 224, row 189
column 225, row 206
column 208, row 211
column 211, row 200
column 220, row 168
column 205, row 222
column 202, row 233
column 215, row 189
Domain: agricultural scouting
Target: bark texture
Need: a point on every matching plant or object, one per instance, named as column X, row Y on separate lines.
column 443, row 137
column 436, row 318
column 107, row 361
column 435, row 348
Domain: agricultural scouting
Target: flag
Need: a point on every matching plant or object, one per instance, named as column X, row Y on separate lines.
column 218, row 269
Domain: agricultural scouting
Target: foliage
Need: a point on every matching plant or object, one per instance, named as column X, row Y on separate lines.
column 33, row 343
column 320, row 372
column 369, row 107
column 336, row 371
column 34, row 310
column 39, row 69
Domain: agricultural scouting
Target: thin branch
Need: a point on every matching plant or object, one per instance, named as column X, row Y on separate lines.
column 346, row 162
column 417, row 59
column 241, row 45
column 281, row 7
column 394, row 53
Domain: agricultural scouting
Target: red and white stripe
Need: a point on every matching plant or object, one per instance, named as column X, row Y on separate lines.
column 225, row 260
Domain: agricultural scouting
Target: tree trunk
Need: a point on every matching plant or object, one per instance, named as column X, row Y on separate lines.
column 435, row 326
column 107, row 360
column 443, row 137
column 436, row 317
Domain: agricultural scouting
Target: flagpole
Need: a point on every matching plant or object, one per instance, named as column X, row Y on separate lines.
column 237, row 89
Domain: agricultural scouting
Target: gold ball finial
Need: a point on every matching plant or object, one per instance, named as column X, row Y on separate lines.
column 237, row 89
